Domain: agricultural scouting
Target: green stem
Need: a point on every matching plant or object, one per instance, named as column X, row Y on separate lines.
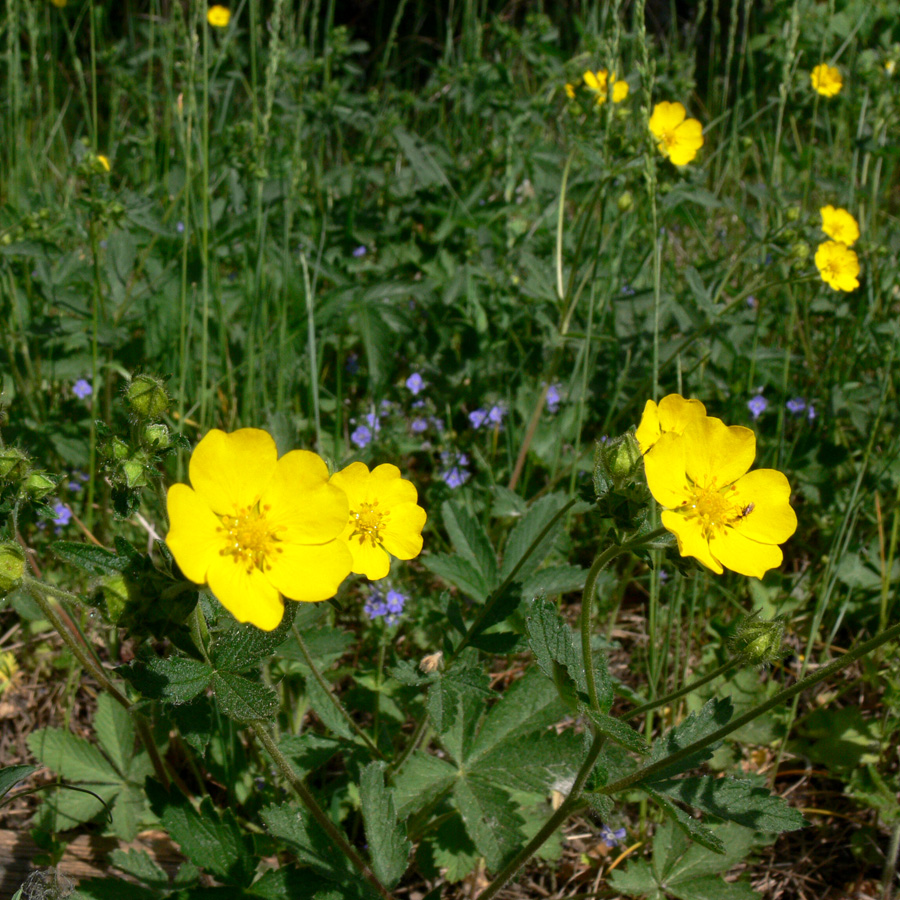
column 675, row 695
column 779, row 698
column 550, row 826
column 317, row 813
column 39, row 592
column 337, row 703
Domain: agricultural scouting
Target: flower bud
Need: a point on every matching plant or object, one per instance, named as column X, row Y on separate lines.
column 135, row 473
column 800, row 250
column 431, row 663
column 13, row 463
column 146, row 397
column 12, row 566
column 792, row 213
column 39, row 484
column 624, row 456
column 625, row 201
column 757, row 642
column 156, row 437
column 115, row 448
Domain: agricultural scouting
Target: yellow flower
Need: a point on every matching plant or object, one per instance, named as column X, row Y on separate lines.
column 598, row 83
column 59, row 4
column 721, row 514
column 838, row 265
column 218, row 16
column 671, row 415
column 570, row 91
column 104, row 161
column 826, row 80
column 256, row 528
column 384, row 517
column 839, row 225
column 676, row 137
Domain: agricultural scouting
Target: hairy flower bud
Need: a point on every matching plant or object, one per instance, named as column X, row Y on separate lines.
column 156, row 437
column 39, row 484
column 757, row 642
column 13, row 463
column 12, row 566
column 792, row 213
column 134, row 472
column 800, row 250
column 147, row 397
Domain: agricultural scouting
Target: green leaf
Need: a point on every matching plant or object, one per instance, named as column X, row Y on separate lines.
column 421, row 781
column 526, row 532
column 242, row 646
column 637, row 880
column 552, row 641
column 209, row 840
column 713, row 888
column 470, row 541
column 538, row 762
column 175, row 679
column 388, row 846
column 129, row 810
column 295, row 883
column 325, row 709
column 71, row 757
column 714, row 715
column 491, row 819
column 139, row 864
column 676, row 860
column 452, row 853
column 692, row 827
column 244, row 700
column 471, row 686
column 308, row 751
column 10, row 776
column 111, row 889
column 554, row 580
column 195, row 721
column 616, row 730
column 460, row 573
column 445, row 694
column 291, row 825
column 745, row 801
column 91, row 559
column 67, row 808
column 115, row 732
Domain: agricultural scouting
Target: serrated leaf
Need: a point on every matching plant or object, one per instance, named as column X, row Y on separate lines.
column 616, row 730
column 294, row 883
column 421, row 781
column 242, row 646
column 91, row 559
column 470, row 541
column 745, row 801
column 291, row 825
column 388, row 846
column 460, row 573
column 115, row 732
column 538, row 762
column 71, row 757
column 407, row 672
column 195, row 721
column 527, row 531
column 676, row 860
column 554, row 580
column 445, row 693
column 452, row 850
column 552, row 641
column 210, row 840
column 139, row 864
column 308, row 751
column 175, row 679
column 10, row 776
column 128, row 812
column 325, row 709
column 244, row 700
column 693, row 828
column 491, row 819
column 73, row 807
column 713, row 888
column 714, row 715
column 636, row 879
column 472, row 686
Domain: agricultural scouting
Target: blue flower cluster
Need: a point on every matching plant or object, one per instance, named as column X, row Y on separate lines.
column 390, row 606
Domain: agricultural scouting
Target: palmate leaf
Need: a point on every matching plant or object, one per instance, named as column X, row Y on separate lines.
column 115, row 732
column 692, row 827
column 422, row 780
column 470, row 541
column 490, row 817
column 460, row 573
column 388, row 846
column 616, row 730
column 175, row 679
column 527, row 531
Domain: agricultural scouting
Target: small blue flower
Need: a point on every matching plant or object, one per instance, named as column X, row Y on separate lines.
column 395, row 602
column 811, row 412
column 418, row 425
column 611, row 838
column 373, row 422
column 455, row 477
column 63, row 514
column 415, row 383
column 757, row 405
column 75, row 486
column 796, row 406
column 478, row 417
column 375, row 606
column 360, row 251
column 495, row 414
column 82, row 389
column 627, row 290
column 361, row 436
column 752, row 302
column 179, row 227
column 553, row 397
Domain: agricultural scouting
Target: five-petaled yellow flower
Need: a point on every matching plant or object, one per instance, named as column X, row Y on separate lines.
column 384, row 517
column 218, row 16
column 839, row 225
column 256, row 528
column 721, row 514
column 671, row 415
column 826, row 80
column 677, row 137
column 838, row 265
column 598, row 83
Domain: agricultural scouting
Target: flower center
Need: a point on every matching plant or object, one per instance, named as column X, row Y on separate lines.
column 713, row 508
column 367, row 522
column 249, row 538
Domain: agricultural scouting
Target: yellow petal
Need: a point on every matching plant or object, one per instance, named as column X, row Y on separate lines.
column 246, row 593
column 744, row 556
column 387, row 486
column 302, row 501
column 308, row 573
column 716, row 452
column 691, row 541
column 666, row 117
column 620, row 91
column 766, row 493
column 403, row 533
column 230, row 471
column 353, row 480
column 371, row 561
column 665, row 466
column 194, row 537
column 649, row 430
column 675, row 412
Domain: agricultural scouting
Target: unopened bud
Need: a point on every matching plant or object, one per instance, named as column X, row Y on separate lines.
column 800, row 250
column 147, row 397
column 115, row 448
column 624, row 456
column 135, row 473
column 38, row 485
column 625, row 201
column 12, row 567
column 757, row 642
column 431, row 663
column 792, row 213
column 156, row 437
column 13, row 463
